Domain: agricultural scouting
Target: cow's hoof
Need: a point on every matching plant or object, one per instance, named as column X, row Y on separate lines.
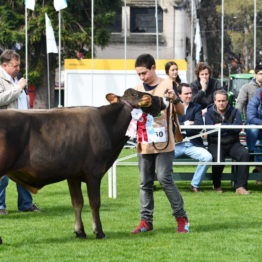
column 81, row 235
column 1, row 241
column 100, row 235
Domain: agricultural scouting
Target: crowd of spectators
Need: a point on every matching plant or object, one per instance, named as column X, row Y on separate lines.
column 206, row 102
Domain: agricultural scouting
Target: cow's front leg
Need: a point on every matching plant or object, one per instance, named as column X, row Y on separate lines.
column 77, row 202
column 94, row 200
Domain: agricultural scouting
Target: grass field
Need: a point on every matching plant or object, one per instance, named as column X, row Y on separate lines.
column 224, row 227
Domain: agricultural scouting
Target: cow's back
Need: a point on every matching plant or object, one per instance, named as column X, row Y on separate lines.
column 56, row 144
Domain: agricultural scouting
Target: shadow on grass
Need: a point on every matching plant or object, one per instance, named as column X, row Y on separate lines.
column 50, row 211
column 208, row 187
column 120, row 235
column 90, row 238
column 216, row 226
column 232, row 226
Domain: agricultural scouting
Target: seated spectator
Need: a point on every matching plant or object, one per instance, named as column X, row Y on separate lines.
column 248, row 91
column 254, row 117
column 193, row 148
column 221, row 113
column 204, row 87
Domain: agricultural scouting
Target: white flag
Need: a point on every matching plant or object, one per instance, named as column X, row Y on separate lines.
column 60, row 4
column 30, row 4
column 51, row 46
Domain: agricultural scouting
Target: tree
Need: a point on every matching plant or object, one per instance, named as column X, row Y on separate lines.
column 76, row 32
column 210, row 23
column 239, row 24
column 238, row 33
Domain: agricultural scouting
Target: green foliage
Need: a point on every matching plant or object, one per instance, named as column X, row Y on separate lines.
column 239, row 33
column 75, row 31
column 76, row 24
column 34, row 78
column 211, row 31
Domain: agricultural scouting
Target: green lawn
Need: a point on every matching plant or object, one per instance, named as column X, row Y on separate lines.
column 224, row 227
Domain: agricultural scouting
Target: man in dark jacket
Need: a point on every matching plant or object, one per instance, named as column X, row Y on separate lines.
column 204, row 87
column 246, row 92
column 221, row 113
column 193, row 148
column 254, row 117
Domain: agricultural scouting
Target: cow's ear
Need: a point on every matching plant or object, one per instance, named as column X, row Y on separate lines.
column 112, row 98
column 146, row 101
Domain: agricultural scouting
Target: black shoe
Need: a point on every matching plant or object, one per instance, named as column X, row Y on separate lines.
column 33, row 208
column 194, row 189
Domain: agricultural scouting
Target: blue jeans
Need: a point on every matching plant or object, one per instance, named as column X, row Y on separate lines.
column 254, row 137
column 197, row 153
column 24, row 196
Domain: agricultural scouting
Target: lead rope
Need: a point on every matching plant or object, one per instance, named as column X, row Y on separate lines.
column 201, row 134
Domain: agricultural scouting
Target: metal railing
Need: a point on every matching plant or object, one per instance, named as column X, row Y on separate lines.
column 112, row 172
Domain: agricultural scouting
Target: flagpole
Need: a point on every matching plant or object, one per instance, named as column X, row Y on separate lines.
column 255, row 32
column 157, row 36
column 48, row 81
column 51, row 47
column 26, row 46
column 125, row 42
column 92, row 51
column 59, row 59
column 222, row 45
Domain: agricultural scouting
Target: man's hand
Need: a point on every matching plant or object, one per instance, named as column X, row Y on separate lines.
column 188, row 123
column 203, row 84
column 22, row 83
column 170, row 94
column 204, row 111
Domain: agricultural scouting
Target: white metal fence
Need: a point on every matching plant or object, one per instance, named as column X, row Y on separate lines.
column 112, row 173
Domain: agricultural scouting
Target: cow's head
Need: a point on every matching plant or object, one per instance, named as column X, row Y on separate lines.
column 148, row 103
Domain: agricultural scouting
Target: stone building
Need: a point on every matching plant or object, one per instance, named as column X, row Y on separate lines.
column 174, row 30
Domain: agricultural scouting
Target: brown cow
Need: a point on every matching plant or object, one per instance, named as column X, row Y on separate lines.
column 40, row 147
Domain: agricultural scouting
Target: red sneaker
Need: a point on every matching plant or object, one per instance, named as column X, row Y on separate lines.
column 182, row 225
column 143, row 226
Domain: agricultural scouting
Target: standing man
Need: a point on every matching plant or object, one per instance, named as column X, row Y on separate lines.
column 12, row 95
column 204, row 87
column 193, row 148
column 221, row 113
column 157, row 156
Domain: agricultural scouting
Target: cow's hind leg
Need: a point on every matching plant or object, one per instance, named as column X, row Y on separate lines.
column 77, row 202
column 93, row 189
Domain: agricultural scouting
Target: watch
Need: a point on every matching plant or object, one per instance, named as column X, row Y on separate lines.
column 177, row 101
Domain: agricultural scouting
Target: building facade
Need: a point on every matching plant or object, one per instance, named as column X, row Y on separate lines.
column 134, row 31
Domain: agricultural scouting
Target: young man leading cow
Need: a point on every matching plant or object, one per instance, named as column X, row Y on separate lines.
column 156, row 156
